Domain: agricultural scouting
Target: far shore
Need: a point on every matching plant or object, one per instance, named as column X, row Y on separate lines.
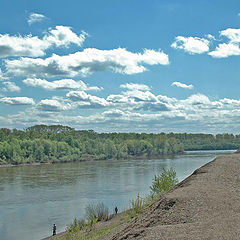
column 90, row 160
column 144, row 157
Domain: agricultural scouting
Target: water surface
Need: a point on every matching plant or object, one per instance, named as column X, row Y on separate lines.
column 32, row 198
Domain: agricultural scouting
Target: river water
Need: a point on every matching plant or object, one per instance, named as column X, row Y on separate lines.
column 32, row 198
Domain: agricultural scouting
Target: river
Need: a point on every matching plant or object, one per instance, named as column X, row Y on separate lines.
column 32, row 198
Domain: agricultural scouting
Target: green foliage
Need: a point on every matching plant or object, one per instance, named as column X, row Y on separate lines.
column 138, row 204
column 81, row 229
column 90, row 235
column 97, row 212
column 164, row 182
column 76, row 225
column 57, row 143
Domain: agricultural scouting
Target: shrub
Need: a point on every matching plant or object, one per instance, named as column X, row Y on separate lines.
column 99, row 212
column 138, row 204
column 164, row 182
column 102, row 212
column 77, row 225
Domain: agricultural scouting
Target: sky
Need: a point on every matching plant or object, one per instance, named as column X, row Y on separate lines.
column 121, row 66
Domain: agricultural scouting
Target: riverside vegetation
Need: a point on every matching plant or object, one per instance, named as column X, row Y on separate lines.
column 84, row 229
column 57, row 143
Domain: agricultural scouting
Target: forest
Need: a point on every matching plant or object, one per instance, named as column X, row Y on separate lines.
column 57, row 143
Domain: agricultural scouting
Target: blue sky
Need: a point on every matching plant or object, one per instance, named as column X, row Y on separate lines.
column 144, row 66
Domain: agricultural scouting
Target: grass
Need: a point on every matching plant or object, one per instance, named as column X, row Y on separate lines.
column 85, row 234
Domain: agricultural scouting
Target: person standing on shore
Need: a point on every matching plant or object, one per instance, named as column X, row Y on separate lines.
column 116, row 210
column 54, row 229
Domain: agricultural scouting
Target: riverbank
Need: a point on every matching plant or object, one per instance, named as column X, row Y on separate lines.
column 143, row 157
column 203, row 206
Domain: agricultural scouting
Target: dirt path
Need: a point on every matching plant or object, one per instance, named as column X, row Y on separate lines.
column 206, row 205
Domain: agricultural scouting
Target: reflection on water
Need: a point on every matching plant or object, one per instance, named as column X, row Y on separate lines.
column 32, row 198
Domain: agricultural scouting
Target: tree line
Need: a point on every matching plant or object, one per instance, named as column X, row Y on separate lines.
column 57, row 143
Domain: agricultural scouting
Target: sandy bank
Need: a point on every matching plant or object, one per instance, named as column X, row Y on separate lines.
column 206, row 205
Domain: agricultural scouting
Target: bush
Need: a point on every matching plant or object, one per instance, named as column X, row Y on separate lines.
column 164, row 182
column 99, row 212
column 138, row 204
column 76, row 226
column 102, row 212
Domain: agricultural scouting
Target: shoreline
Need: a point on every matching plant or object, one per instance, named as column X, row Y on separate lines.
column 205, row 205
column 180, row 185
column 93, row 160
column 96, row 160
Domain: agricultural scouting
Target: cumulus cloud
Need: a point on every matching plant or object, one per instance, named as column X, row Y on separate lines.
column 139, row 101
column 17, row 100
column 225, row 50
column 233, row 34
column 140, row 96
column 192, row 45
column 33, row 46
column 52, row 105
column 231, row 48
column 135, row 86
column 85, row 100
column 35, row 17
column 152, row 107
column 117, row 98
column 88, row 61
column 64, row 36
column 170, row 114
column 11, row 87
column 182, row 85
column 63, row 84
column 197, row 99
column 113, row 113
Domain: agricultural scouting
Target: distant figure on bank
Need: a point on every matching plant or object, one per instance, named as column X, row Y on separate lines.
column 116, row 210
column 54, row 229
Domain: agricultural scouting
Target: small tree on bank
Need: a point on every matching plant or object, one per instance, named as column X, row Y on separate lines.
column 164, row 182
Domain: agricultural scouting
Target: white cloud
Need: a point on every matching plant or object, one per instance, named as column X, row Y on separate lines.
column 64, row 36
column 138, row 100
column 197, row 99
column 113, row 113
column 140, row 96
column 152, row 107
column 117, row 98
column 135, row 86
column 197, row 113
column 52, row 105
column 35, row 17
column 233, row 34
column 182, row 85
column 63, row 84
column 11, row 87
column 33, row 46
column 88, row 61
column 85, row 100
column 17, row 100
column 225, row 50
column 231, row 48
column 192, row 45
